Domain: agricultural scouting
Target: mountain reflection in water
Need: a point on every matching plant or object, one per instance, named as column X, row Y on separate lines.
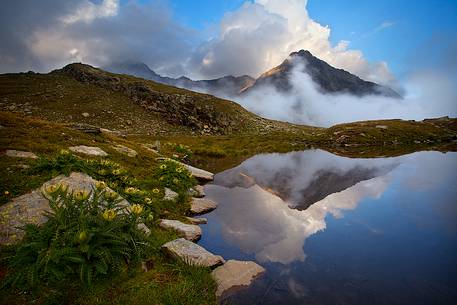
column 334, row 230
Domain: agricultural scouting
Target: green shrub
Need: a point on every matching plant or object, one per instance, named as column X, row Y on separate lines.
column 182, row 153
column 175, row 176
column 88, row 235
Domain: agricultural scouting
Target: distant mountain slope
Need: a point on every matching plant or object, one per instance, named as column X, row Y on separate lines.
column 224, row 86
column 328, row 78
column 79, row 93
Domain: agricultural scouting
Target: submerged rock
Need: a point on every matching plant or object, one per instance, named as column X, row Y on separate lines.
column 234, row 275
column 200, row 205
column 197, row 221
column 88, row 150
column 189, row 232
column 191, row 253
column 20, row 154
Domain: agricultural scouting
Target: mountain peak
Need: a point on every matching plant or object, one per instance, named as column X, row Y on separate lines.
column 328, row 78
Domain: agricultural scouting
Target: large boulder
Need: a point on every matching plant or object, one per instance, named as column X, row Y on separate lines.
column 88, row 150
column 189, row 232
column 191, row 253
column 234, row 275
column 31, row 207
column 201, row 205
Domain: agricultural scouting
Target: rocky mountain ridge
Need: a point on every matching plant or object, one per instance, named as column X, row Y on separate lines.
column 330, row 80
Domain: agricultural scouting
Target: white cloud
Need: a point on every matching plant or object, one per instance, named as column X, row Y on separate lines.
column 260, row 35
column 384, row 25
column 88, row 11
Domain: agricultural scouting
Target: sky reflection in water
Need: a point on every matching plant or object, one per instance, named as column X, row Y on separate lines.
column 333, row 230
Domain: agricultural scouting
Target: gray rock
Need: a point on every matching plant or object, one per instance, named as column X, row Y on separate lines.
column 170, row 195
column 196, row 172
column 200, row 205
column 88, row 150
column 199, row 173
column 381, row 126
column 85, row 114
column 191, row 253
column 142, row 227
column 200, row 191
column 234, row 275
column 30, row 208
column 20, row 154
column 86, row 128
column 189, row 232
column 125, row 150
column 197, row 221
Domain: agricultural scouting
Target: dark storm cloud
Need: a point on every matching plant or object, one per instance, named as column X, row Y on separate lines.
column 56, row 33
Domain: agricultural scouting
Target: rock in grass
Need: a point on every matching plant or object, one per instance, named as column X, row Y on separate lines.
column 189, row 232
column 88, row 150
column 31, row 207
column 191, row 253
column 196, row 172
column 170, row 195
column 125, row 150
column 142, row 227
column 20, row 154
column 197, row 221
column 201, row 205
column 234, row 275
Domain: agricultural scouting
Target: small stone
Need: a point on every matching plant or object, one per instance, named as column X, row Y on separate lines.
column 199, row 191
column 200, row 205
column 85, row 114
column 88, row 150
column 142, row 227
column 125, row 150
column 196, row 172
column 191, row 253
column 197, row 221
column 234, row 275
column 170, row 195
column 20, row 154
column 189, row 232
column 381, row 126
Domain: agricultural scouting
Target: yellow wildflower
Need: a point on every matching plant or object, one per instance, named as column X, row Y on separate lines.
column 176, row 181
column 163, row 166
column 81, row 195
column 110, row 195
column 7, row 193
column 102, row 172
column 131, row 190
column 109, row 214
column 136, row 209
column 64, row 152
column 51, row 188
column 100, row 185
column 116, row 172
column 179, row 169
column 155, row 190
column 190, row 175
column 82, row 236
column 147, row 200
column 161, row 178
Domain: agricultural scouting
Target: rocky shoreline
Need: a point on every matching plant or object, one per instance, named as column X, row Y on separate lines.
column 31, row 208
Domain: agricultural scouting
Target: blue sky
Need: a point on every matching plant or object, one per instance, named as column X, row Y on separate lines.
column 413, row 30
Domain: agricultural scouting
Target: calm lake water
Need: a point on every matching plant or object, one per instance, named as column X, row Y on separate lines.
column 334, row 230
